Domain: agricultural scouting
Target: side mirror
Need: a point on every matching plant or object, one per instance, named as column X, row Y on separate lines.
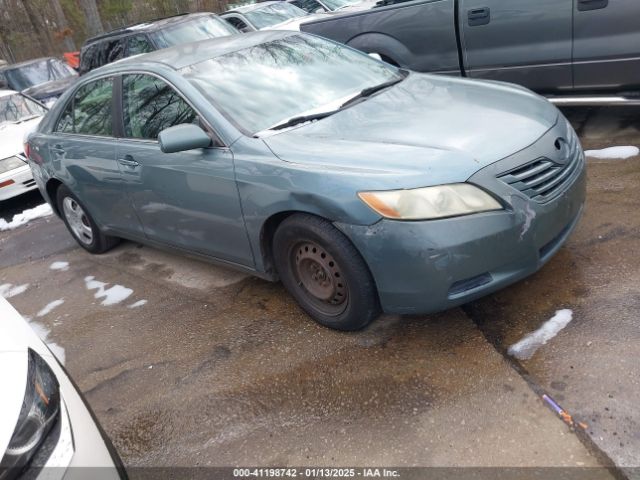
column 180, row 138
column 319, row 10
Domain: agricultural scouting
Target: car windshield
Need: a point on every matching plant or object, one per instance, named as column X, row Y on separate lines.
column 273, row 14
column 263, row 85
column 18, row 108
column 338, row 4
column 194, row 31
column 26, row 76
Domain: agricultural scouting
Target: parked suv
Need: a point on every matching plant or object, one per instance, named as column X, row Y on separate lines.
column 44, row 79
column 150, row 36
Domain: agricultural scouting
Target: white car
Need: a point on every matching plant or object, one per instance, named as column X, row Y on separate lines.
column 274, row 15
column 19, row 116
column 43, row 420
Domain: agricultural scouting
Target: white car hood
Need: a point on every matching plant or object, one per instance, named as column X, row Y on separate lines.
column 16, row 337
column 12, row 136
column 294, row 23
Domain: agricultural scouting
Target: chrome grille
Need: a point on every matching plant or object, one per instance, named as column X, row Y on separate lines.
column 543, row 179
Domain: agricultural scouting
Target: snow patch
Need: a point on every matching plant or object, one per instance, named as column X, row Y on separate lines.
column 26, row 216
column 43, row 332
column 113, row 295
column 7, row 290
column 613, row 152
column 525, row 348
column 49, row 307
column 62, row 266
column 137, row 304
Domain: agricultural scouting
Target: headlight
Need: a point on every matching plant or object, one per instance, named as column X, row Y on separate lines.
column 11, row 163
column 430, row 202
column 40, row 409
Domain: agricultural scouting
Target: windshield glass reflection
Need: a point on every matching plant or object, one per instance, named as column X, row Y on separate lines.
column 17, row 108
column 274, row 14
column 260, row 86
column 36, row 73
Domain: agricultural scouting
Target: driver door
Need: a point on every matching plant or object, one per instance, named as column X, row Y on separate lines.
column 185, row 199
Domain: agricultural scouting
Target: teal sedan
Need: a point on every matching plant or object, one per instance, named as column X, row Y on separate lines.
column 364, row 188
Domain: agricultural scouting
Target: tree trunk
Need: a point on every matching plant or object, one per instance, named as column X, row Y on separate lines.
column 92, row 16
column 63, row 26
column 38, row 29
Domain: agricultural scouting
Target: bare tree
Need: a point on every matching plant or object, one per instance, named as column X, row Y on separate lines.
column 40, row 30
column 92, row 16
column 63, row 26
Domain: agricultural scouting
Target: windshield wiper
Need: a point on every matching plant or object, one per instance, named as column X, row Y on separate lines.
column 302, row 119
column 367, row 92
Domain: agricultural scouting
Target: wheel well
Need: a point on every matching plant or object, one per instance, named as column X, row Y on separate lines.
column 52, row 188
column 387, row 59
column 266, row 239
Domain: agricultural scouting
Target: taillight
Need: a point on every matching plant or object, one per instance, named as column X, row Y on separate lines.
column 27, row 149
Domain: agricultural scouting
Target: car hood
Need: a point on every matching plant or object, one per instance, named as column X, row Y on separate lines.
column 13, row 134
column 422, row 124
column 294, row 23
column 16, row 336
column 54, row 88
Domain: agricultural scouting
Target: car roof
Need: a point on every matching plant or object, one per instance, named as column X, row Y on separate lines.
column 187, row 54
column 251, row 7
column 151, row 25
column 25, row 63
column 6, row 93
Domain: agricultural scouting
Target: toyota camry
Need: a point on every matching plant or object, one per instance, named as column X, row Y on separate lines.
column 363, row 187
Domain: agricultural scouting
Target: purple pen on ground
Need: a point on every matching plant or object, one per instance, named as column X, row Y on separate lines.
column 558, row 409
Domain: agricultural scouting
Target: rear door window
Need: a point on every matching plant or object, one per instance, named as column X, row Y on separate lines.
column 90, row 110
column 310, row 6
column 138, row 44
column 115, row 50
column 238, row 23
column 150, row 105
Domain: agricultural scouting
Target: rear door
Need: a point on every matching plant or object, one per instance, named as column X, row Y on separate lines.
column 185, row 199
column 83, row 149
column 522, row 41
column 606, row 50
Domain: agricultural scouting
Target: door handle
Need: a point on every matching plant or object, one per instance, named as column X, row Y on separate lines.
column 128, row 161
column 57, row 149
column 586, row 5
column 479, row 16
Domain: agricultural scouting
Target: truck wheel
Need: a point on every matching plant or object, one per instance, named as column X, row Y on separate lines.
column 324, row 272
column 80, row 224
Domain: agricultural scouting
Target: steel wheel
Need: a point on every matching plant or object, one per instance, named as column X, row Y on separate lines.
column 77, row 220
column 320, row 277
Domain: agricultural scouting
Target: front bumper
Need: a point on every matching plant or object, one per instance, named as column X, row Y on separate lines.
column 427, row 266
column 22, row 182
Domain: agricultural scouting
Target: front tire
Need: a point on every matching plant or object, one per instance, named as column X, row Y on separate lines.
column 80, row 224
column 325, row 273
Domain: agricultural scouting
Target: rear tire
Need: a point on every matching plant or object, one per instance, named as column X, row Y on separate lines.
column 80, row 223
column 325, row 273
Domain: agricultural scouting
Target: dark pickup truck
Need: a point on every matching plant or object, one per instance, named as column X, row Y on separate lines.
column 574, row 51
